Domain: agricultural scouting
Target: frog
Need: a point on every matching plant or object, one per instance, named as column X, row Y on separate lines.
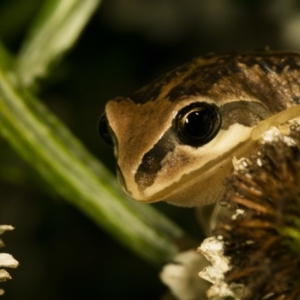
column 174, row 139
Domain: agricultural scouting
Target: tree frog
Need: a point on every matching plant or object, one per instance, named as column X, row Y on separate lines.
column 174, row 139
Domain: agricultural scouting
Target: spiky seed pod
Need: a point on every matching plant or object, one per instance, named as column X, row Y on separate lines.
column 263, row 243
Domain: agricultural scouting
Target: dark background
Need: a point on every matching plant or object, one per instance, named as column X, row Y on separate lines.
column 62, row 254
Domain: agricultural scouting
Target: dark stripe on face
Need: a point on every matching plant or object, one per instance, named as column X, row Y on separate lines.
column 239, row 112
column 152, row 160
column 243, row 112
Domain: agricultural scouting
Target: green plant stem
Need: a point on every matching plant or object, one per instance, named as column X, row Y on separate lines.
column 71, row 171
column 54, row 31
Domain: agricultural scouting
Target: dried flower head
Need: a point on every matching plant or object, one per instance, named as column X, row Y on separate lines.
column 262, row 241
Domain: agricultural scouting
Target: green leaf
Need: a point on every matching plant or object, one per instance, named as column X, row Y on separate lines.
column 53, row 33
column 6, row 60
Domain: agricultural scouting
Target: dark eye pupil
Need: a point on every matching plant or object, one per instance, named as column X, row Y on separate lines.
column 195, row 121
column 198, row 123
column 104, row 130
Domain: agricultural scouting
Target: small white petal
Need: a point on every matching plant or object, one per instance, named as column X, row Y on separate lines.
column 212, row 249
column 4, row 275
column 274, row 134
column 6, row 260
column 238, row 212
column 182, row 278
column 4, row 228
column 240, row 164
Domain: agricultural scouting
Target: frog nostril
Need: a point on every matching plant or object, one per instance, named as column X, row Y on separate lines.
column 104, row 130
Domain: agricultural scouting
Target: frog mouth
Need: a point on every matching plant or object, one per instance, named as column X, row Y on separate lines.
column 204, row 185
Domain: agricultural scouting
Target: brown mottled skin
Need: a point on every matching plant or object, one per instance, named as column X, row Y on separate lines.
column 256, row 73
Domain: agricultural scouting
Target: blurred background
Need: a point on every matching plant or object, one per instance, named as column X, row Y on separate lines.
column 62, row 254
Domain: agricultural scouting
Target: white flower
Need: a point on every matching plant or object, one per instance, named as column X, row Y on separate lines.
column 6, row 260
column 181, row 276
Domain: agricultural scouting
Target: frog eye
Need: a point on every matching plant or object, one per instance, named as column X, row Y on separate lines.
column 104, row 130
column 197, row 123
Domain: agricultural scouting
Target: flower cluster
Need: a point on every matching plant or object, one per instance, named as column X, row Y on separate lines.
column 6, row 260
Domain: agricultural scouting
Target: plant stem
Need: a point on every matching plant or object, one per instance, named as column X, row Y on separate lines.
column 72, row 172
